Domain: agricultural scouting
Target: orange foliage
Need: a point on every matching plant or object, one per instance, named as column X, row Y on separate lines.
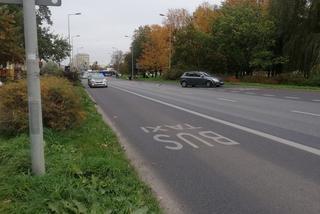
column 204, row 16
column 263, row 3
column 155, row 55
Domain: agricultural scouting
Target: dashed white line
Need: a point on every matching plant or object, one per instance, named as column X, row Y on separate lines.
column 251, row 93
column 315, row 100
column 233, row 125
column 269, row 95
column 306, row 113
column 228, row 100
column 293, row 98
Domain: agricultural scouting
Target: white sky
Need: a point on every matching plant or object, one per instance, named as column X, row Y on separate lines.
column 104, row 23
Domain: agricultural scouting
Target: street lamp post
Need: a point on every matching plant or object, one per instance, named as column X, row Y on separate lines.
column 76, row 36
column 170, row 42
column 132, row 63
column 69, row 35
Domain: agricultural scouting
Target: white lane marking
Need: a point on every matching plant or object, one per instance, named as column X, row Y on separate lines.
column 269, row 95
column 251, row 93
column 234, row 91
column 316, row 100
column 293, row 98
column 223, row 99
column 233, row 125
column 306, row 113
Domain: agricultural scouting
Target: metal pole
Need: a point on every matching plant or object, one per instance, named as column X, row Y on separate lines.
column 34, row 93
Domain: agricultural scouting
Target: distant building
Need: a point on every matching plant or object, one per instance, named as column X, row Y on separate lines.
column 82, row 61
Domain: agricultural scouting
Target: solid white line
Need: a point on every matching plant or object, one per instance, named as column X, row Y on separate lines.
column 233, row 125
column 223, row 99
column 306, row 113
column 294, row 98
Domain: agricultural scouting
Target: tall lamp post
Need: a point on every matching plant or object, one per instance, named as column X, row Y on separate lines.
column 132, row 63
column 170, row 42
column 69, row 35
column 76, row 36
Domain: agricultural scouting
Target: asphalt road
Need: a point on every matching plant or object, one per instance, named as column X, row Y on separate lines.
column 223, row 150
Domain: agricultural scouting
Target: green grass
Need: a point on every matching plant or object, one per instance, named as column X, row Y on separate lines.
column 273, row 86
column 87, row 172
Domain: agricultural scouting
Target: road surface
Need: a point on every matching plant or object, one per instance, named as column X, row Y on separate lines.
column 223, row 150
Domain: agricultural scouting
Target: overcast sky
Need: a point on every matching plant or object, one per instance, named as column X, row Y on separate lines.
column 104, row 23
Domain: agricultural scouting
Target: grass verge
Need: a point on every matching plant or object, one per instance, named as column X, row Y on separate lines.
column 273, row 86
column 240, row 84
column 87, row 172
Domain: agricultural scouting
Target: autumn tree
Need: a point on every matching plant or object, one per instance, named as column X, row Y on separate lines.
column 10, row 47
column 155, row 55
column 204, row 16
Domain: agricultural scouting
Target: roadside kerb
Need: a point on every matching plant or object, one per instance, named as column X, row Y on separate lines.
column 165, row 197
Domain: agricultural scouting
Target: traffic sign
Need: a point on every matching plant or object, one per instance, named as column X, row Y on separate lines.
column 38, row 2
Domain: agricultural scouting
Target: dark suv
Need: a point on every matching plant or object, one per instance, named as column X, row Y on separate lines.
column 196, row 78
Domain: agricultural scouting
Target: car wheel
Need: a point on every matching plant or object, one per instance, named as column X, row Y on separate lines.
column 184, row 84
column 209, row 84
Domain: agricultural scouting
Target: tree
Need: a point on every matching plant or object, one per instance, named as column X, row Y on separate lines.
column 244, row 35
column 51, row 46
column 177, row 19
column 10, row 47
column 196, row 50
column 95, row 66
column 204, row 16
column 116, row 59
column 298, row 29
column 140, row 38
column 155, row 55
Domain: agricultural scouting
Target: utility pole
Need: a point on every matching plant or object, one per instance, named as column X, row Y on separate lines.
column 33, row 80
column 34, row 91
column 69, row 34
column 170, row 41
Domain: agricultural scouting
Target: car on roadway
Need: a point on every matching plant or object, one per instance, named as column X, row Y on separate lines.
column 97, row 80
column 199, row 78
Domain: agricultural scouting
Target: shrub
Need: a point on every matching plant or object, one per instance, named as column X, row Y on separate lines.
column 51, row 68
column 174, row 74
column 313, row 80
column 60, row 104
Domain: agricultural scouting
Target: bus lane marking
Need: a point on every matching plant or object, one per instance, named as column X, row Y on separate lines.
column 206, row 138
